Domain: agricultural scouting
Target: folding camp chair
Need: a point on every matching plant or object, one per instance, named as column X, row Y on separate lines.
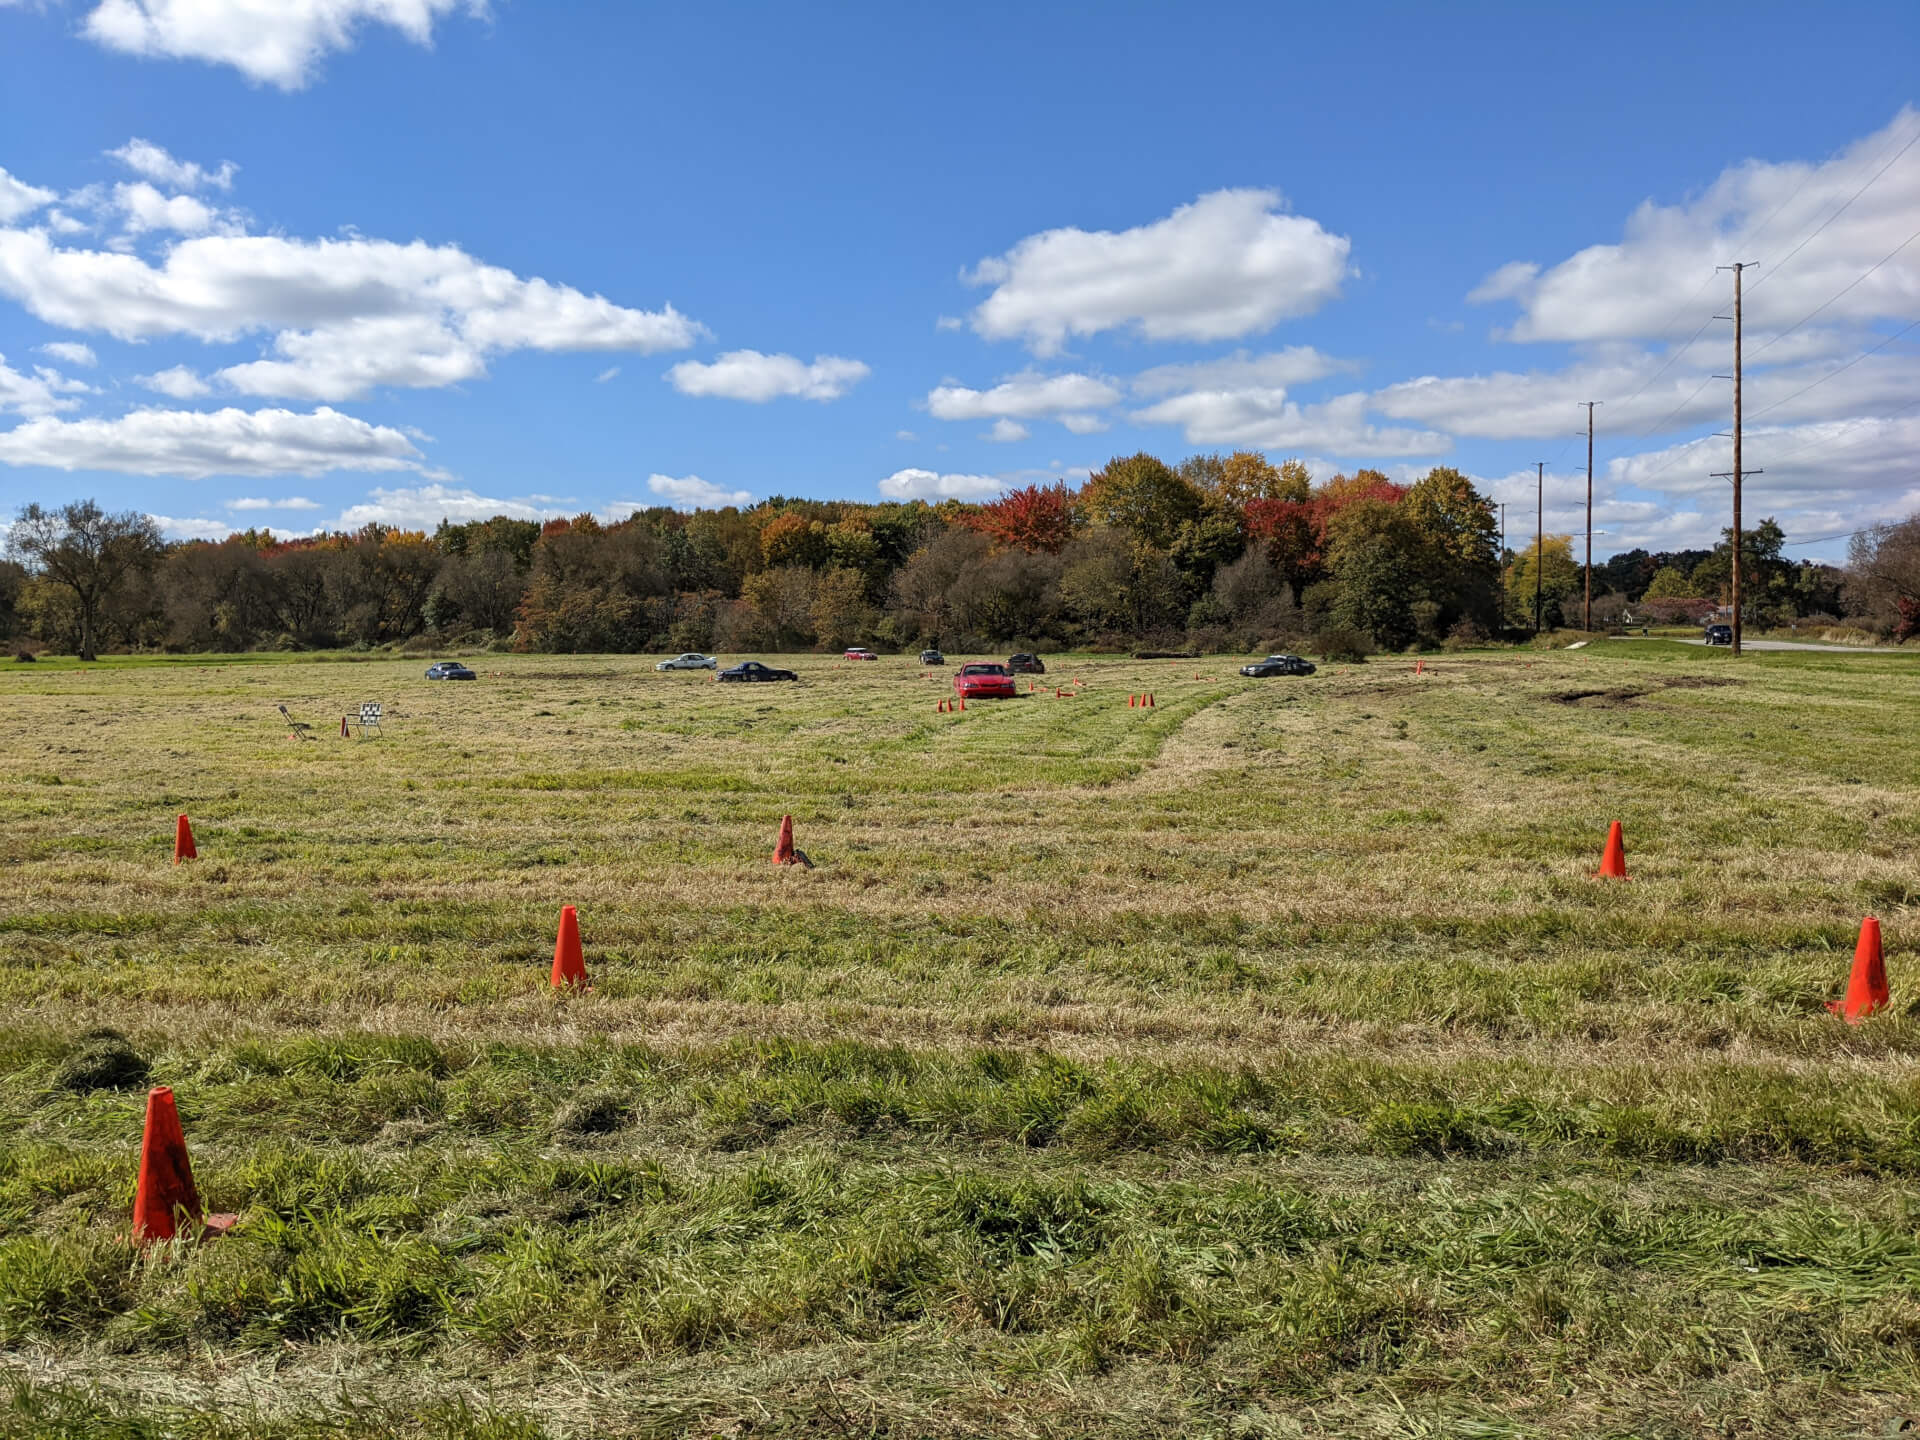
column 299, row 728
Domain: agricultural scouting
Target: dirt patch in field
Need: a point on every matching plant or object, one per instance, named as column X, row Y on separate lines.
column 1627, row 695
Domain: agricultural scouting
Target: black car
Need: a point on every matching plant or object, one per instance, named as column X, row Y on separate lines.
column 932, row 657
column 1025, row 665
column 450, row 670
column 1277, row 665
column 754, row 670
column 1719, row 634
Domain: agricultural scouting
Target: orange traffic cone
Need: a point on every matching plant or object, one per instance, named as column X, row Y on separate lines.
column 783, row 851
column 183, row 847
column 165, row 1199
column 963, row 702
column 1131, row 701
column 1613, row 862
column 343, row 729
column 1867, row 989
column 569, row 965
column 1419, row 667
column 1150, row 700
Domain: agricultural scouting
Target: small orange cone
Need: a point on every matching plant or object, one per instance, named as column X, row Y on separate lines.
column 963, row 702
column 1419, row 667
column 343, row 729
column 569, row 965
column 1867, row 989
column 1613, row 862
column 783, row 850
column 183, row 847
column 1131, row 699
column 166, row 1198
column 1150, row 700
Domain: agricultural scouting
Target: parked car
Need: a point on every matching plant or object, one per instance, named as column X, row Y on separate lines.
column 932, row 657
column 984, row 682
column 752, row 670
column 855, row 652
column 1719, row 634
column 1026, row 665
column 1277, row 665
column 450, row 670
column 689, row 661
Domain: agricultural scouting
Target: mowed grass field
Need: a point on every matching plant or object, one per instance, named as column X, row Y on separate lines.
column 1266, row 1063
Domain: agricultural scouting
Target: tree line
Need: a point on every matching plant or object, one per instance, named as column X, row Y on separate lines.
column 1218, row 553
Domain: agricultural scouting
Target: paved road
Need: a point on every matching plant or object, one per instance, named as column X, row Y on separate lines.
column 1800, row 645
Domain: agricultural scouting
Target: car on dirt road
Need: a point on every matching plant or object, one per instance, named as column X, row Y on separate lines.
column 692, row 660
column 932, row 657
column 984, row 682
column 752, row 671
column 1026, row 665
column 1275, row 665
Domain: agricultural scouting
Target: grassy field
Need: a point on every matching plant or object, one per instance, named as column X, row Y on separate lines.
column 1265, row 1063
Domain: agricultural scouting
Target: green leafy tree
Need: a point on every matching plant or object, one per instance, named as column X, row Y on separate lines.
column 1143, row 497
column 88, row 552
column 1558, row 578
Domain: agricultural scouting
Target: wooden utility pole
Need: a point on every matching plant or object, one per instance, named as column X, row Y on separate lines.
column 1539, row 538
column 1738, row 473
column 1587, row 620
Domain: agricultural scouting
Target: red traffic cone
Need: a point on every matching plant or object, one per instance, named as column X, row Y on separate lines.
column 1419, row 667
column 183, row 847
column 569, row 964
column 1131, row 700
column 783, row 851
column 165, row 1200
column 1150, row 700
column 963, row 702
column 1867, row 989
column 344, row 735
column 1613, row 861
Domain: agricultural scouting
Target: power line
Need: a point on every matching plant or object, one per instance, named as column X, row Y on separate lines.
column 1837, row 370
column 1843, row 290
column 1778, row 264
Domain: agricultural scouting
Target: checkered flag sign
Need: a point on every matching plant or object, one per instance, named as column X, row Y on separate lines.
column 370, row 713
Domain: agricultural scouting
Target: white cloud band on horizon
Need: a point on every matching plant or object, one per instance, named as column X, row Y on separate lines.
column 195, row 444
column 916, row 484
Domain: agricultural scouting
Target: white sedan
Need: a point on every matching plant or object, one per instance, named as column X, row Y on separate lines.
column 689, row 661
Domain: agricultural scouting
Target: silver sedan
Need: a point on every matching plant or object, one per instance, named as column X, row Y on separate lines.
column 689, row 661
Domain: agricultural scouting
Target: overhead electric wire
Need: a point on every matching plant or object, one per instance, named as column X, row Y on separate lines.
column 1823, row 305
column 1778, row 265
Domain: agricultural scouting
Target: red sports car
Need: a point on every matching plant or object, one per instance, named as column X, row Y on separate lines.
column 854, row 652
column 984, row 682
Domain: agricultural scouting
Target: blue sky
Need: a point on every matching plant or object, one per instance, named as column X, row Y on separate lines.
column 399, row 259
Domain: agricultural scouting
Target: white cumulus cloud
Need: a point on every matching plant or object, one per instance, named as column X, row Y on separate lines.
column 256, row 502
column 1231, row 263
column 689, row 492
column 1294, row 365
column 345, row 315
column 153, row 162
column 1265, row 419
column 71, row 352
column 17, row 198
column 195, row 444
column 1070, row 399
column 177, row 381
column 1005, row 431
column 752, row 376
column 280, row 42
column 930, row 485
column 422, row 507
column 44, row 392
column 1813, row 229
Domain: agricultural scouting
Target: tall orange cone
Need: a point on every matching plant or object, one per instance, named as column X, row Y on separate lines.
column 963, row 703
column 183, row 847
column 1613, row 862
column 165, row 1198
column 1150, row 700
column 1867, row 989
column 569, row 965
column 1132, row 700
column 783, row 851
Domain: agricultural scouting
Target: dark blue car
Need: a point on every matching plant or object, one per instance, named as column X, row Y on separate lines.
column 450, row 670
